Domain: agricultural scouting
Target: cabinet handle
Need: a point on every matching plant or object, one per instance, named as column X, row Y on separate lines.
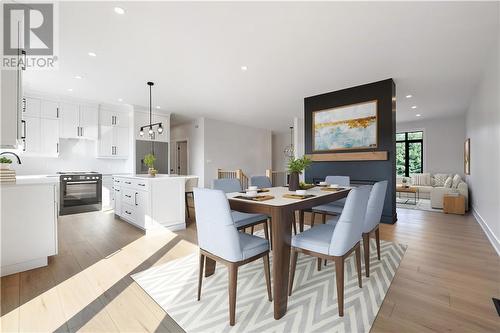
column 117, row 181
column 81, row 130
column 23, row 67
column 23, row 136
column 57, row 112
column 24, row 145
column 128, row 212
column 128, row 196
column 57, row 147
column 128, row 183
column 135, row 198
column 78, row 131
column 141, row 184
column 117, row 190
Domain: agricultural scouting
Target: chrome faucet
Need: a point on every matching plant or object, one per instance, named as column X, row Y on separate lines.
column 8, row 152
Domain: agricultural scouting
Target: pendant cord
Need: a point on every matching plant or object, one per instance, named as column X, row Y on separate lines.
column 150, row 106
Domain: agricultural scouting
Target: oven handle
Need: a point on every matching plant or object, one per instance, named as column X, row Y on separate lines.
column 84, row 182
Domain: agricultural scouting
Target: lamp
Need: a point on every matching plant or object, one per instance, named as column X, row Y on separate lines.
column 151, row 125
column 290, row 150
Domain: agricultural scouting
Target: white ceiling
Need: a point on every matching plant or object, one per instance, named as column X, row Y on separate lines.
column 194, row 53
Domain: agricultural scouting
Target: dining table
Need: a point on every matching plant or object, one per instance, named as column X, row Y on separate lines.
column 281, row 209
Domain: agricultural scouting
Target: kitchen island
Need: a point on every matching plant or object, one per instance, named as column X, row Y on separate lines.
column 28, row 222
column 151, row 202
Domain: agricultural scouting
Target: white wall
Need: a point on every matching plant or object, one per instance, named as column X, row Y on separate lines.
column 483, row 129
column 443, row 143
column 230, row 146
column 193, row 132
column 280, row 140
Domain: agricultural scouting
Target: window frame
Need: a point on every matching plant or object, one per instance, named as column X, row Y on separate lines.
column 407, row 143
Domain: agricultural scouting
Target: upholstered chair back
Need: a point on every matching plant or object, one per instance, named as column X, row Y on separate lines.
column 217, row 233
column 349, row 228
column 375, row 206
column 191, row 183
column 228, row 185
column 340, row 180
column 261, row 181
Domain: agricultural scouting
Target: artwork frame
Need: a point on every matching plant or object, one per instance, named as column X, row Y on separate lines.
column 467, row 156
column 365, row 127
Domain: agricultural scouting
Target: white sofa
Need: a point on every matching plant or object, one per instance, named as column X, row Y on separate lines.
column 434, row 189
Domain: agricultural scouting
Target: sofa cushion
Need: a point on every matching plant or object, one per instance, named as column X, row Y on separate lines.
column 456, row 180
column 423, row 179
column 440, row 178
column 448, row 182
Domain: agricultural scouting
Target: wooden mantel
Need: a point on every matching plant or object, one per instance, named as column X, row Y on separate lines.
column 355, row 156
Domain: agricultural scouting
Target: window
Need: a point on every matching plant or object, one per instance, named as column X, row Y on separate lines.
column 409, row 153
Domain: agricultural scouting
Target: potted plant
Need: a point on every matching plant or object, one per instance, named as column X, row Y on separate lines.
column 149, row 160
column 5, row 163
column 296, row 166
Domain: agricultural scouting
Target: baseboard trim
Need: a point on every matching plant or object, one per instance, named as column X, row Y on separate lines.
column 491, row 236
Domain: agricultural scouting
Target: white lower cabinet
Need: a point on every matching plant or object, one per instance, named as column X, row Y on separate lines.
column 28, row 236
column 150, row 203
column 107, row 193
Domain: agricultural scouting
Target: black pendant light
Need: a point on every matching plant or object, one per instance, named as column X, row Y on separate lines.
column 151, row 126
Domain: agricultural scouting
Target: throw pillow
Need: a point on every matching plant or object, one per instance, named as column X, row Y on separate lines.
column 440, row 178
column 422, row 179
column 456, row 180
column 448, row 182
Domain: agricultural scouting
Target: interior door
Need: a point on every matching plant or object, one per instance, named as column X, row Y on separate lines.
column 182, row 157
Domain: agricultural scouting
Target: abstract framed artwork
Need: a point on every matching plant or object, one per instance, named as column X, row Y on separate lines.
column 467, row 157
column 346, row 127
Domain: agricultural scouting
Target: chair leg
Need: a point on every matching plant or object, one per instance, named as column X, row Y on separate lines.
column 233, row 278
column 339, row 273
column 266, row 230
column 267, row 273
column 313, row 215
column 377, row 239
column 186, row 201
column 301, row 220
column 358, row 264
column 270, row 233
column 251, row 230
column 200, row 275
column 366, row 249
column 294, row 224
column 323, row 218
column 319, row 262
column 293, row 265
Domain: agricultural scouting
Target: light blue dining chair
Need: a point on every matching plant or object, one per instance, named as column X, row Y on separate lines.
column 335, row 242
column 242, row 220
column 219, row 240
column 261, row 181
column 372, row 220
column 331, row 208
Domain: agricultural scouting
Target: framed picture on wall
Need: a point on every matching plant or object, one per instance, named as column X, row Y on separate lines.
column 345, row 128
column 467, row 157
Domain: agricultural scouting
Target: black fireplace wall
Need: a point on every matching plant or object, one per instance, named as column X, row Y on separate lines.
column 360, row 172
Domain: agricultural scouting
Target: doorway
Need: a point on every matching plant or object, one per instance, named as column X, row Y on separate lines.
column 182, row 161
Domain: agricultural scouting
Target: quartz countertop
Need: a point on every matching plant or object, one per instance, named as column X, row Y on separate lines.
column 157, row 177
column 34, row 180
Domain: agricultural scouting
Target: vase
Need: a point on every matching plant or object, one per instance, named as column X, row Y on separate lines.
column 293, row 182
column 152, row 172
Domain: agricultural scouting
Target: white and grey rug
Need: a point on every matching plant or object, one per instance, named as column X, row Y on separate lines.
column 422, row 204
column 311, row 308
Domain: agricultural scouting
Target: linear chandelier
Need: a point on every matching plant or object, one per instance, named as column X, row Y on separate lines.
column 151, row 125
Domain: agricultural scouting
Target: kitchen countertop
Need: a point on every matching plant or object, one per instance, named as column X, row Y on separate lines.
column 34, row 180
column 158, row 176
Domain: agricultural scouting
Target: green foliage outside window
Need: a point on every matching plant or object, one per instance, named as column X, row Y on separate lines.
column 414, row 162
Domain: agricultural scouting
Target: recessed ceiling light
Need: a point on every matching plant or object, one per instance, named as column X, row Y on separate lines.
column 119, row 10
column 244, row 68
column 158, row 107
column 92, row 54
column 409, row 96
column 120, row 99
column 414, row 107
column 418, row 115
column 70, row 89
column 78, row 77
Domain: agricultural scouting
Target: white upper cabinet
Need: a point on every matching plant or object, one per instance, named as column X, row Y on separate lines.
column 114, row 135
column 32, row 107
column 11, row 109
column 31, row 135
column 49, row 109
column 79, row 121
column 49, row 136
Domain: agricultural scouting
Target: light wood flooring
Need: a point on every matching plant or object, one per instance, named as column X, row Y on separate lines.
column 445, row 282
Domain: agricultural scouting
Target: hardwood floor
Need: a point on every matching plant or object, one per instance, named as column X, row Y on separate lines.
column 445, row 282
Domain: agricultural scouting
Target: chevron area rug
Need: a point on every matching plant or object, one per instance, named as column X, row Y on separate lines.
column 311, row 308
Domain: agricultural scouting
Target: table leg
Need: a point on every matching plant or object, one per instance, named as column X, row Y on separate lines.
column 209, row 266
column 282, row 234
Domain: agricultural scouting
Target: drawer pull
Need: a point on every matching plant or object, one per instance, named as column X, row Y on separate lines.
column 135, row 198
column 128, row 212
column 117, row 190
column 128, row 196
column 128, row 183
column 141, row 184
